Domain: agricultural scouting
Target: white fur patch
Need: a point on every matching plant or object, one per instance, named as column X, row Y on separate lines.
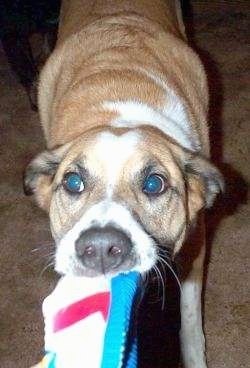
column 113, row 151
column 87, row 333
column 171, row 118
column 102, row 214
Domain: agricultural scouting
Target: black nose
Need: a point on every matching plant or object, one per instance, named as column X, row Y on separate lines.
column 103, row 249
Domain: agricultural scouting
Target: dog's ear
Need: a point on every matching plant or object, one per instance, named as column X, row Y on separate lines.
column 39, row 175
column 204, row 182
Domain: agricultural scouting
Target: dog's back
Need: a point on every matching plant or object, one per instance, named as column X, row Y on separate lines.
column 78, row 13
column 112, row 50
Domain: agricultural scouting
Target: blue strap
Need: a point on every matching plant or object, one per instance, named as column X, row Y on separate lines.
column 120, row 344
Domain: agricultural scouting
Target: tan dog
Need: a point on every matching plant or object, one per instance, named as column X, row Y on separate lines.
column 123, row 104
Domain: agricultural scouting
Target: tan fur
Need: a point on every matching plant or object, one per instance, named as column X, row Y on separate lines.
column 172, row 214
column 101, row 48
column 106, row 51
column 44, row 192
column 124, row 191
column 99, row 54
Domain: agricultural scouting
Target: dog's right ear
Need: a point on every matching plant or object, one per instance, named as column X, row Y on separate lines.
column 39, row 175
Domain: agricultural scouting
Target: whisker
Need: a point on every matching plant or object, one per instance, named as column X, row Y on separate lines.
column 45, row 250
column 165, row 253
column 155, row 270
column 46, row 267
column 161, row 279
column 172, row 270
column 42, row 252
column 46, row 256
column 145, row 279
column 163, row 268
column 144, row 282
column 161, row 285
column 43, row 245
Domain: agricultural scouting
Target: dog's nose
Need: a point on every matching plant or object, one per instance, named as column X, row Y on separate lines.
column 103, row 249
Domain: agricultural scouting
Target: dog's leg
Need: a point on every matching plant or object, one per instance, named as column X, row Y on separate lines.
column 192, row 337
column 190, row 265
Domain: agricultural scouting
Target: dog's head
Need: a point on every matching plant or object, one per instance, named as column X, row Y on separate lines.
column 114, row 195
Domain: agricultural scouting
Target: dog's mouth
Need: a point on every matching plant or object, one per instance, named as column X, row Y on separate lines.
column 77, row 268
column 104, row 251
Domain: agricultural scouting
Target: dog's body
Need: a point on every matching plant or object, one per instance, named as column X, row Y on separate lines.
column 129, row 44
column 123, row 104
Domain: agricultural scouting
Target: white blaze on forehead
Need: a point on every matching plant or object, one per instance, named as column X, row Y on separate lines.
column 113, row 152
column 100, row 215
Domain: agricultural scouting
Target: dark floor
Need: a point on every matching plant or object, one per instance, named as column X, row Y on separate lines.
column 221, row 31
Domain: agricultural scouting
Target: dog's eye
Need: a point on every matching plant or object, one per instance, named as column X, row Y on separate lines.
column 154, row 184
column 73, row 182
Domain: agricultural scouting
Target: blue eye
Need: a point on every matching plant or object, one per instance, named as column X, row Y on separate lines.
column 154, row 184
column 73, row 182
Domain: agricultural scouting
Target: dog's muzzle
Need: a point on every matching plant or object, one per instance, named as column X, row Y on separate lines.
column 103, row 249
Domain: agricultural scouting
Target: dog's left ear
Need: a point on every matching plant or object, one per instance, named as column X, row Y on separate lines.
column 39, row 175
column 204, row 182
